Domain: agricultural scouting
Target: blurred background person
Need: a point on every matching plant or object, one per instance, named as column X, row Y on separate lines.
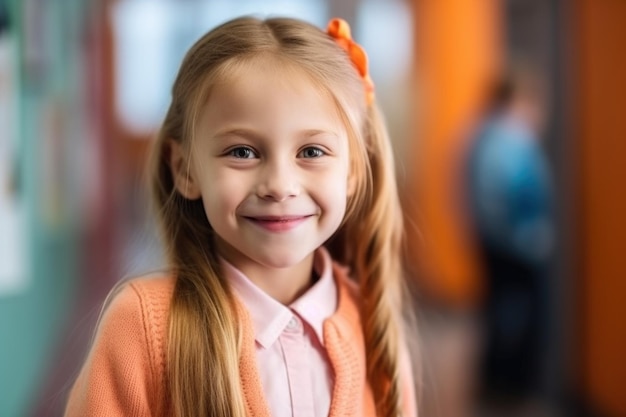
column 511, row 200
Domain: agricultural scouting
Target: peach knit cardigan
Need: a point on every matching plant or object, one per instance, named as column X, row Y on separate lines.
column 124, row 374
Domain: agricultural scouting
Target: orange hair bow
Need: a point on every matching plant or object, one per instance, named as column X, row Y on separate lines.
column 339, row 30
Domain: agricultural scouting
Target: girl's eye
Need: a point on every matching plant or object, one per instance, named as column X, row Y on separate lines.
column 312, row 152
column 241, row 152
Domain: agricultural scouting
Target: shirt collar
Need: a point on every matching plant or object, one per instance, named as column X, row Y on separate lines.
column 270, row 317
column 320, row 301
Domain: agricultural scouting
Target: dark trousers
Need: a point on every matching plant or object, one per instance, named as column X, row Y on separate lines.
column 515, row 317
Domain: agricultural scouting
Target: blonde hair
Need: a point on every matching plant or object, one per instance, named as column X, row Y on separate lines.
column 204, row 336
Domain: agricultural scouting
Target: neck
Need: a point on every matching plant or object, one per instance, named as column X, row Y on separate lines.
column 285, row 285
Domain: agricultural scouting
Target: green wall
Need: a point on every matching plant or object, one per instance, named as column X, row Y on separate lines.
column 50, row 122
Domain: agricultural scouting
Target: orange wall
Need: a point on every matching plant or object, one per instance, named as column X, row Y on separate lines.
column 601, row 90
column 457, row 52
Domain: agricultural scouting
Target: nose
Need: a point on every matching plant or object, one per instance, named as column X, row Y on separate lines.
column 278, row 181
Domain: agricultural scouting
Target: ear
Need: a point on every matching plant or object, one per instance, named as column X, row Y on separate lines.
column 180, row 167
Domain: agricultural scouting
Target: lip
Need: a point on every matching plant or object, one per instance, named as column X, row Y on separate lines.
column 278, row 223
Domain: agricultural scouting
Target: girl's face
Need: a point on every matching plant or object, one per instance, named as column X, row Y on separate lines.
column 270, row 161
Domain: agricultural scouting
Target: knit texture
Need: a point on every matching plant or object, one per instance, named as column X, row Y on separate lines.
column 125, row 371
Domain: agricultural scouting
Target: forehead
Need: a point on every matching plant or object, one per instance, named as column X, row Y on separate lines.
column 268, row 90
column 269, row 65
column 267, row 71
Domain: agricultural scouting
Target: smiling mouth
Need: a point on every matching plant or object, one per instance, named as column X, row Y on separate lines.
column 278, row 223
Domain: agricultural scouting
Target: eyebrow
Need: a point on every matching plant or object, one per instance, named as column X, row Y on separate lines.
column 244, row 133
column 252, row 135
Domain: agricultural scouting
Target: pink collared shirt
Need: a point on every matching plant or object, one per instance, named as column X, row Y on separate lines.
column 293, row 365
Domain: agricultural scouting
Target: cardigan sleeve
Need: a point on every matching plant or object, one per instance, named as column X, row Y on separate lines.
column 117, row 378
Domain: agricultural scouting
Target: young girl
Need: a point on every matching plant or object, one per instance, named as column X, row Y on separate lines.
column 274, row 185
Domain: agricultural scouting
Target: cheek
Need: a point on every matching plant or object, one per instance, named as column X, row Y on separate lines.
column 333, row 189
column 222, row 193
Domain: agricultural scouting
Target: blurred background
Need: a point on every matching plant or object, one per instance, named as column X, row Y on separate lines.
column 507, row 119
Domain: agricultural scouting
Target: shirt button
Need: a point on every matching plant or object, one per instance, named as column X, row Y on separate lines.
column 293, row 324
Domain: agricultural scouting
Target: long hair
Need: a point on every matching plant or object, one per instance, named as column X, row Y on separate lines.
column 204, row 334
